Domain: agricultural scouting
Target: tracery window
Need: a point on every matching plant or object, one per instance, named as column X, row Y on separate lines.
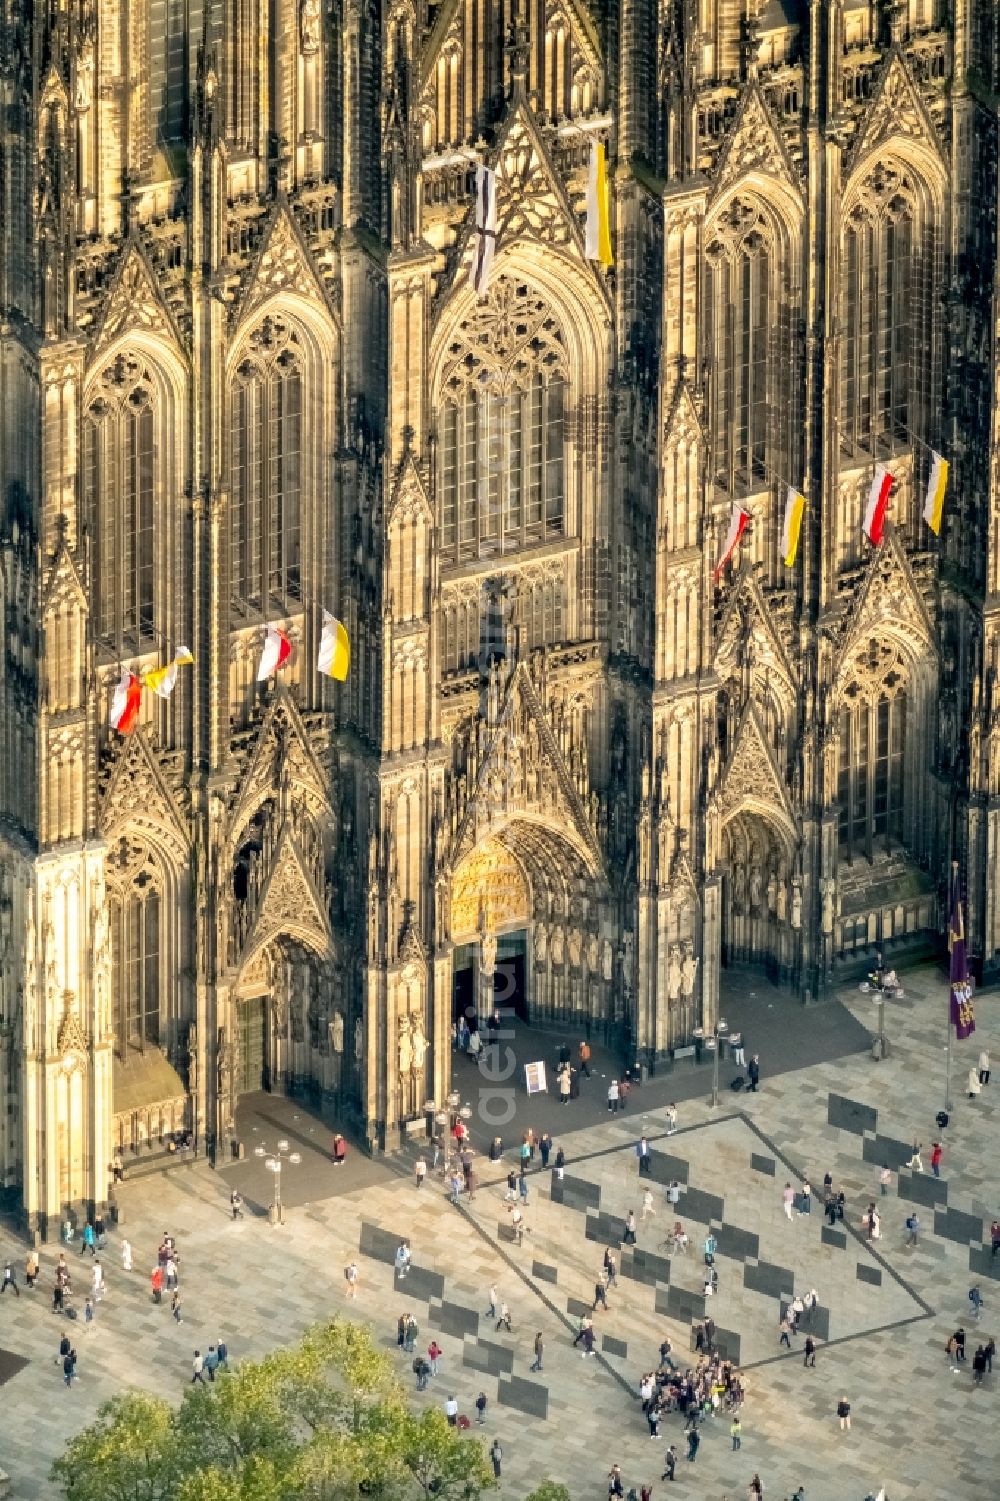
column 883, row 310
column 738, row 318
column 266, row 483
column 502, row 428
column 871, row 753
column 119, row 502
column 135, row 919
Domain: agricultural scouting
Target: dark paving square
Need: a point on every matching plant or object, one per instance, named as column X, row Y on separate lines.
column 921, row 1188
column 607, row 1228
column 664, row 1168
column 736, row 1243
column 506, row 1232
column 850, row 1115
column 454, row 1319
column 542, row 1272
column 637, row 1271
column 379, row 1244
column 818, row 1324
column 659, row 1266
column 580, row 1193
column 762, row 1164
column 493, row 1360
column 679, row 1303
column 576, row 1307
column 524, row 1396
column 698, row 1205
column 10, row 1365
column 768, row 1278
column 727, row 1342
column 832, row 1237
column 955, row 1224
column 872, row 1274
column 421, row 1282
column 612, row 1346
column 983, row 1262
column 887, row 1151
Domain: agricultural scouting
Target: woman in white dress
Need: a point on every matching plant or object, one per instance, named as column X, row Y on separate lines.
column 126, row 1256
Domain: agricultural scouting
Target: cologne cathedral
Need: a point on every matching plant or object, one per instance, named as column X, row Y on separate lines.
column 249, row 375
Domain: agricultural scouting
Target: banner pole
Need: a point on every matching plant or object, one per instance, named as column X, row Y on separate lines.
column 947, row 1066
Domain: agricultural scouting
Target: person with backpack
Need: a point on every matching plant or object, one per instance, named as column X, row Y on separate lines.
column 351, row 1278
column 422, row 1370
column 913, row 1229
column 481, row 1404
column 496, row 1455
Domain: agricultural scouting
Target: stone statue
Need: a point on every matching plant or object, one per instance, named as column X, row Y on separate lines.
column 488, row 952
column 739, row 888
column 607, row 961
column 593, row 954
column 781, row 900
column 337, row 1032
column 755, row 889
column 796, row 917
column 575, row 945
column 557, row 944
column 541, row 938
column 628, row 945
column 225, row 1062
column 279, row 1014
column 30, row 955
column 405, row 1046
column 772, row 892
column 689, row 973
column 419, row 1044
column 83, row 98
column 359, row 1040
column 828, row 889
column 674, row 973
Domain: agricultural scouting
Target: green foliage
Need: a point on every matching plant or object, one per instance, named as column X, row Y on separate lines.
column 550, row 1490
column 309, row 1423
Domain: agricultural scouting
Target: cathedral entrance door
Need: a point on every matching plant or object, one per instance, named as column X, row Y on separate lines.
column 464, row 983
column 510, row 978
column 758, row 895
column 252, row 1071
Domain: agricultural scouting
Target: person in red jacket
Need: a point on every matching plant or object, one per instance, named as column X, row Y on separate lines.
column 339, row 1150
column 156, row 1282
column 937, row 1152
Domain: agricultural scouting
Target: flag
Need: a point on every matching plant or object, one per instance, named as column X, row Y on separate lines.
column 963, row 1013
column 936, row 486
column 794, row 507
column 277, row 650
column 124, row 714
column 878, row 501
column 598, row 207
column 485, row 242
column 334, row 649
column 738, row 523
column 162, row 680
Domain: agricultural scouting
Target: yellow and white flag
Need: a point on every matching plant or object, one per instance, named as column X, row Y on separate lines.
column 163, row 680
column 598, row 207
column 795, row 507
column 936, row 486
column 334, row 649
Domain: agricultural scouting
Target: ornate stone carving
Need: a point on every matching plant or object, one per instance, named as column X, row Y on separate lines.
column 283, row 265
column 134, row 302
column 754, row 146
column 896, row 110
column 405, row 1046
column 674, row 973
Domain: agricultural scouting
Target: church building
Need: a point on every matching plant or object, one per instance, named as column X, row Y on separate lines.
column 587, row 758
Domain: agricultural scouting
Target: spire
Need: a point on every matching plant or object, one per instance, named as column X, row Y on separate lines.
column 749, row 43
column 518, row 48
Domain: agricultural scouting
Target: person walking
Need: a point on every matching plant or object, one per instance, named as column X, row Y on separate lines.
column 788, row 1199
column 88, row 1310
column 753, row 1073
column 503, row 1320
column 694, row 1439
column 979, row 1366
column 545, row 1148
column 351, row 1278
column 984, row 1067
column 615, row 1484
column 9, row 1280
column 916, row 1162
column 755, row 1490
column 236, row 1204
column 212, row 1362
column 88, row 1241
column 884, row 1180
column 481, row 1404
column 785, row 1336
column 844, row 1414
column 420, row 1171
column 669, row 1464
column 630, row 1228
column 810, row 1349
column 69, row 1366
column 995, row 1236
column 584, row 1056
column 197, row 1369
column 97, row 1282
column 401, row 1260
column 974, row 1086
column 412, row 1330
column 496, row 1455
column 126, row 1256
column 611, row 1267
column 913, row 1229
column 434, row 1353
column 736, row 1432
column 536, row 1364
column 671, row 1114
column 156, row 1283
column 643, row 1154
column 31, row 1270
column 976, row 1299
column 648, row 1210
column 491, row 1312
column 613, row 1097
column 805, row 1197
column 564, row 1086
column 600, row 1293
column 710, row 1248
column 175, row 1306
column 937, row 1152
column 451, row 1412
column 736, row 1047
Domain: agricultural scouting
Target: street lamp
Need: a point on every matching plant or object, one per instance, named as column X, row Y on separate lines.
column 273, row 1164
column 718, row 1032
column 881, row 985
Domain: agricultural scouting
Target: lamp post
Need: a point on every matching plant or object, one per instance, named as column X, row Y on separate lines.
column 718, row 1032
column 273, row 1162
column 881, row 985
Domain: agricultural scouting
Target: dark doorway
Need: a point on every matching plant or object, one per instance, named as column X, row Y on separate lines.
column 253, row 1071
column 510, row 980
column 464, row 986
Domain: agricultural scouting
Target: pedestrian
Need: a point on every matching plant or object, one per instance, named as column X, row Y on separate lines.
column 31, row 1269
column 491, row 1312
column 613, row 1097
column 588, row 1340
column 222, row 1350
column 88, row 1241
column 844, row 1414
column 736, row 1432
column 496, row 1455
column 175, row 1307
column 197, row 1367
column 989, row 1350
column 785, row 1336
column 754, row 1073
column 885, row 1179
column 995, row 1236
column 434, row 1353
column 916, row 1162
column 671, row 1114
column 100, row 1235
column 979, row 1366
column 810, row 1348
column 611, row 1267
column 937, row 1152
column 544, row 1148
column 645, row 1160
column 984, row 1067
column 975, row 1087
column 69, row 1367
column 630, row 1228
column 913, row 1229
column 88, row 1310
column 976, row 1299
column 9, row 1280
column 97, row 1281
column 564, row 1086
column 536, row 1364
column 522, row 1186
column 600, row 1293
column 711, row 1246
column 755, row 1490
column 420, row 1170
column 669, row 1464
column 805, row 1197
column 481, row 1404
column 694, row 1439
column 402, row 1260
column 236, row 1204
column 351, row 1278
column 584, row 1056
column 126, row 1256
column 117, row 1169
column 503, row 1319
column 156, row 1282
column 674, row 1193
column 736, row 1046
column 339, row 1150
column 451, row 1412
column 623, row 1089
column 666, row 1357
column 615, row 1485
column 647, row 1205
column 410, row 1337
column 525, row 1151
column 212, row 1362
column 959, row 1338
column 788, row 1198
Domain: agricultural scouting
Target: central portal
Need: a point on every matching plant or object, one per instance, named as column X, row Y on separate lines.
column 471, row 989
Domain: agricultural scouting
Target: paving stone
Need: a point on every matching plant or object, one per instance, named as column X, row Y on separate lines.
column 612, row 1346
column 577, row 1307
column 704, row 1207
column 580, row 1193
column 766, row 1277
column 666, row 1168
column 870, row 1274
column 737, row 1243
column 543, row 1272
column 421, row 1282
column 10, row 1365
column 954, row 1224
column 845, row 1114
column 832, row 1237
column 922, row 1188
column 606, row 1228
column 524, row 1396
column 651, row 1262
column 454, row 1319
column 984, row 1263
column 887, row 1151
column 379, row 1244
column 762, row 1164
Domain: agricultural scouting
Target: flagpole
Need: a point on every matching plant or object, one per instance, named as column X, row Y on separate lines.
column 948, row 1017
column 947, row 1058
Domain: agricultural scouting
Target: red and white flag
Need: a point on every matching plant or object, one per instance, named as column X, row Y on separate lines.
column 277, row 650
column 738, row 523
column 878, row 504
column 484, row 241
column 124, row 715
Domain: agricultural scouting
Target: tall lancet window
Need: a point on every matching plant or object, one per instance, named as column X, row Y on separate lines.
column 266, row 486
column 119, row 500
column 502, row 428
column 739, row 315
column 135, row 908
column 871, row 753
column 884, row 312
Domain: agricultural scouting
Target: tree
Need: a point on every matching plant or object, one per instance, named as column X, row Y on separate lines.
column 127, row 1454
column 549, row 1490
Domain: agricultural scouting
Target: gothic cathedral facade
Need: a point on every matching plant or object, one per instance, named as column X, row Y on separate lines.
column 245, row 378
